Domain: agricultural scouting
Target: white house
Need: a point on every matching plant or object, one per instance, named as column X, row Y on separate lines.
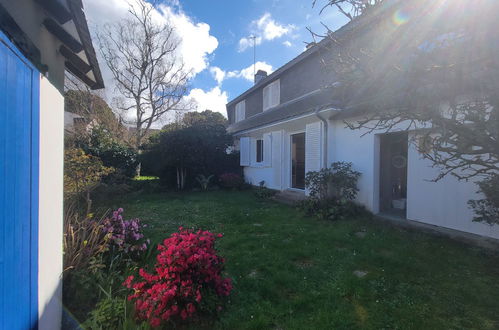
column 39, row 41
column 291, row 122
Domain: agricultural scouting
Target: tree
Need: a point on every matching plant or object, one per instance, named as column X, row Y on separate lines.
column 350, row 8
column 434, row 73
column 143, row 57
column 196, row 146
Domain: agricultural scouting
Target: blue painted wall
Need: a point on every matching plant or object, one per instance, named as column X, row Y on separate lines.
column 19, row 125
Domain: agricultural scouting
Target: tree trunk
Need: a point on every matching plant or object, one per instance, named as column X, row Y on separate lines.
column 89, row 202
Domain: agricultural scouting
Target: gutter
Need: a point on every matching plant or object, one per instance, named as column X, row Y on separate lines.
column 324, row 120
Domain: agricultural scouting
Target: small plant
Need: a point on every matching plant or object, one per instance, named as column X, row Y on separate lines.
column 84, row 239
column 204, row 181
column 263, row 192
column 187, row 279
column 231, row 181
column 126, row 235
column 332, row 191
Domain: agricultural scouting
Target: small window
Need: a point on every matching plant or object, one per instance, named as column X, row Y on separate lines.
column 259, row 151
column 271, row 95
column 240, row 111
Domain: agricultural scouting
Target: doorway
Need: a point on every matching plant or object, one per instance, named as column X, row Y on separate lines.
column 298, row 161
column 393, row 173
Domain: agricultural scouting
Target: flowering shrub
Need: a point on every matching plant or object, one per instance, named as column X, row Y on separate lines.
column 231, row 180
column 187, row 271
column 125, row 234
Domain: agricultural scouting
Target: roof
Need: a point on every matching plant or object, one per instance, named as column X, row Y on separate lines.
column 327, row 96
column 66, row 21
column 353, row 26
column 319, row 99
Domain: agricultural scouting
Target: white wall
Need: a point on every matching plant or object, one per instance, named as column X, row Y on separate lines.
column 350, row 146
column 443, row 203
column 50, row 206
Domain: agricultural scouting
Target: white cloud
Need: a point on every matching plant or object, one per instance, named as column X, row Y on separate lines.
column 265, row 28
column 248, row 73
column 218, row 74
column 287, row 43
column 214, row 99
column 197, row 43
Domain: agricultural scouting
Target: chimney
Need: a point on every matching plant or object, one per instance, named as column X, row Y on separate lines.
column 259, row 76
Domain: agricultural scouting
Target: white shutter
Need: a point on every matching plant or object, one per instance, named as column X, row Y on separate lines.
column 252, row 152
column 266, row 97
column 276, row 158
column 240, row 111
column 313, row 147
column 275, row 94
column 244, row 146
column 267, row 149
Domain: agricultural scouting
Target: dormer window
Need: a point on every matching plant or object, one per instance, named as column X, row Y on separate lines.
column 240, row 111
column 271, row 95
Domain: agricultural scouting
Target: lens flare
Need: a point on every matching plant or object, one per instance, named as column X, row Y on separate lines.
column 400, row 17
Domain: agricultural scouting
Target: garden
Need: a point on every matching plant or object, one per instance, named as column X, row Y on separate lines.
column 290, row 271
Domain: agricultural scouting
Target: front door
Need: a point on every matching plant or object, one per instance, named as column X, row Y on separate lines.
column 393, row 173
column 19, row 94
column 298, row 161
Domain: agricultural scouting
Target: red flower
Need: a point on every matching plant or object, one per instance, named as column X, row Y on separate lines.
column 187, row 264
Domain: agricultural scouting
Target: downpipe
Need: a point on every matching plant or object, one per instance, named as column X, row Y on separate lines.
column 325, row 122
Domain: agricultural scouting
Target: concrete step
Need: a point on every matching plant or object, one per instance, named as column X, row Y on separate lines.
column 289, row 197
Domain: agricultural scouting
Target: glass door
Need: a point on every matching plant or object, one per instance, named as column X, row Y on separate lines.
column 298, row 161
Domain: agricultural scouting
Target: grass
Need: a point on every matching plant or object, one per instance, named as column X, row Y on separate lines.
column 292, row 272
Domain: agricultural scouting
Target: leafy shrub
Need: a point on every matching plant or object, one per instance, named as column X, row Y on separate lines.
column 113, row 153
column 82, row 174
column 126, row 235
column 332, row 191
column 263, row 192
column 187, row 271
column 231, row 180
column 487, row 209
column 109, row 313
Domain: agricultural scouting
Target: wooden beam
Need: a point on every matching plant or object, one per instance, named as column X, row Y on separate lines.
column 57, row 9
column 80, row 64
column 63, row 35
column 80, row 75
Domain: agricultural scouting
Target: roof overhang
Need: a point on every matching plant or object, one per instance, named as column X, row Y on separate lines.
column 66, row 21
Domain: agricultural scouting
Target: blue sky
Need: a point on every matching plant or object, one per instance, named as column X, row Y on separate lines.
column 215, row 39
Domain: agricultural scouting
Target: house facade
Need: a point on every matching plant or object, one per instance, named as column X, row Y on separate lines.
column 293, row 121
column 39, row 41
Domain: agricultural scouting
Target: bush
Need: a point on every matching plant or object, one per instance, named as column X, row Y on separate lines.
column 487, row 209
column 332, row 191
column 187, row 271
column 112, row 152
column 231, row 180
column 263, row 192
column 126, row 235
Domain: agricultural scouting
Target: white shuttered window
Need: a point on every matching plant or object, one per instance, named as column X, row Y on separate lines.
column 240, row 111
column 271, row 95
column 244, row 149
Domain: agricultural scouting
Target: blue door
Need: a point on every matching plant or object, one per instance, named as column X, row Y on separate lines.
column 19, row 109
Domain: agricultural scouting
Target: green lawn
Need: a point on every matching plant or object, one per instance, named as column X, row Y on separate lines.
column 293, row 272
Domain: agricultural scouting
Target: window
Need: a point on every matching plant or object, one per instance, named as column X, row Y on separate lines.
column 271, row 95
column 259, row 151
column 240, row 111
